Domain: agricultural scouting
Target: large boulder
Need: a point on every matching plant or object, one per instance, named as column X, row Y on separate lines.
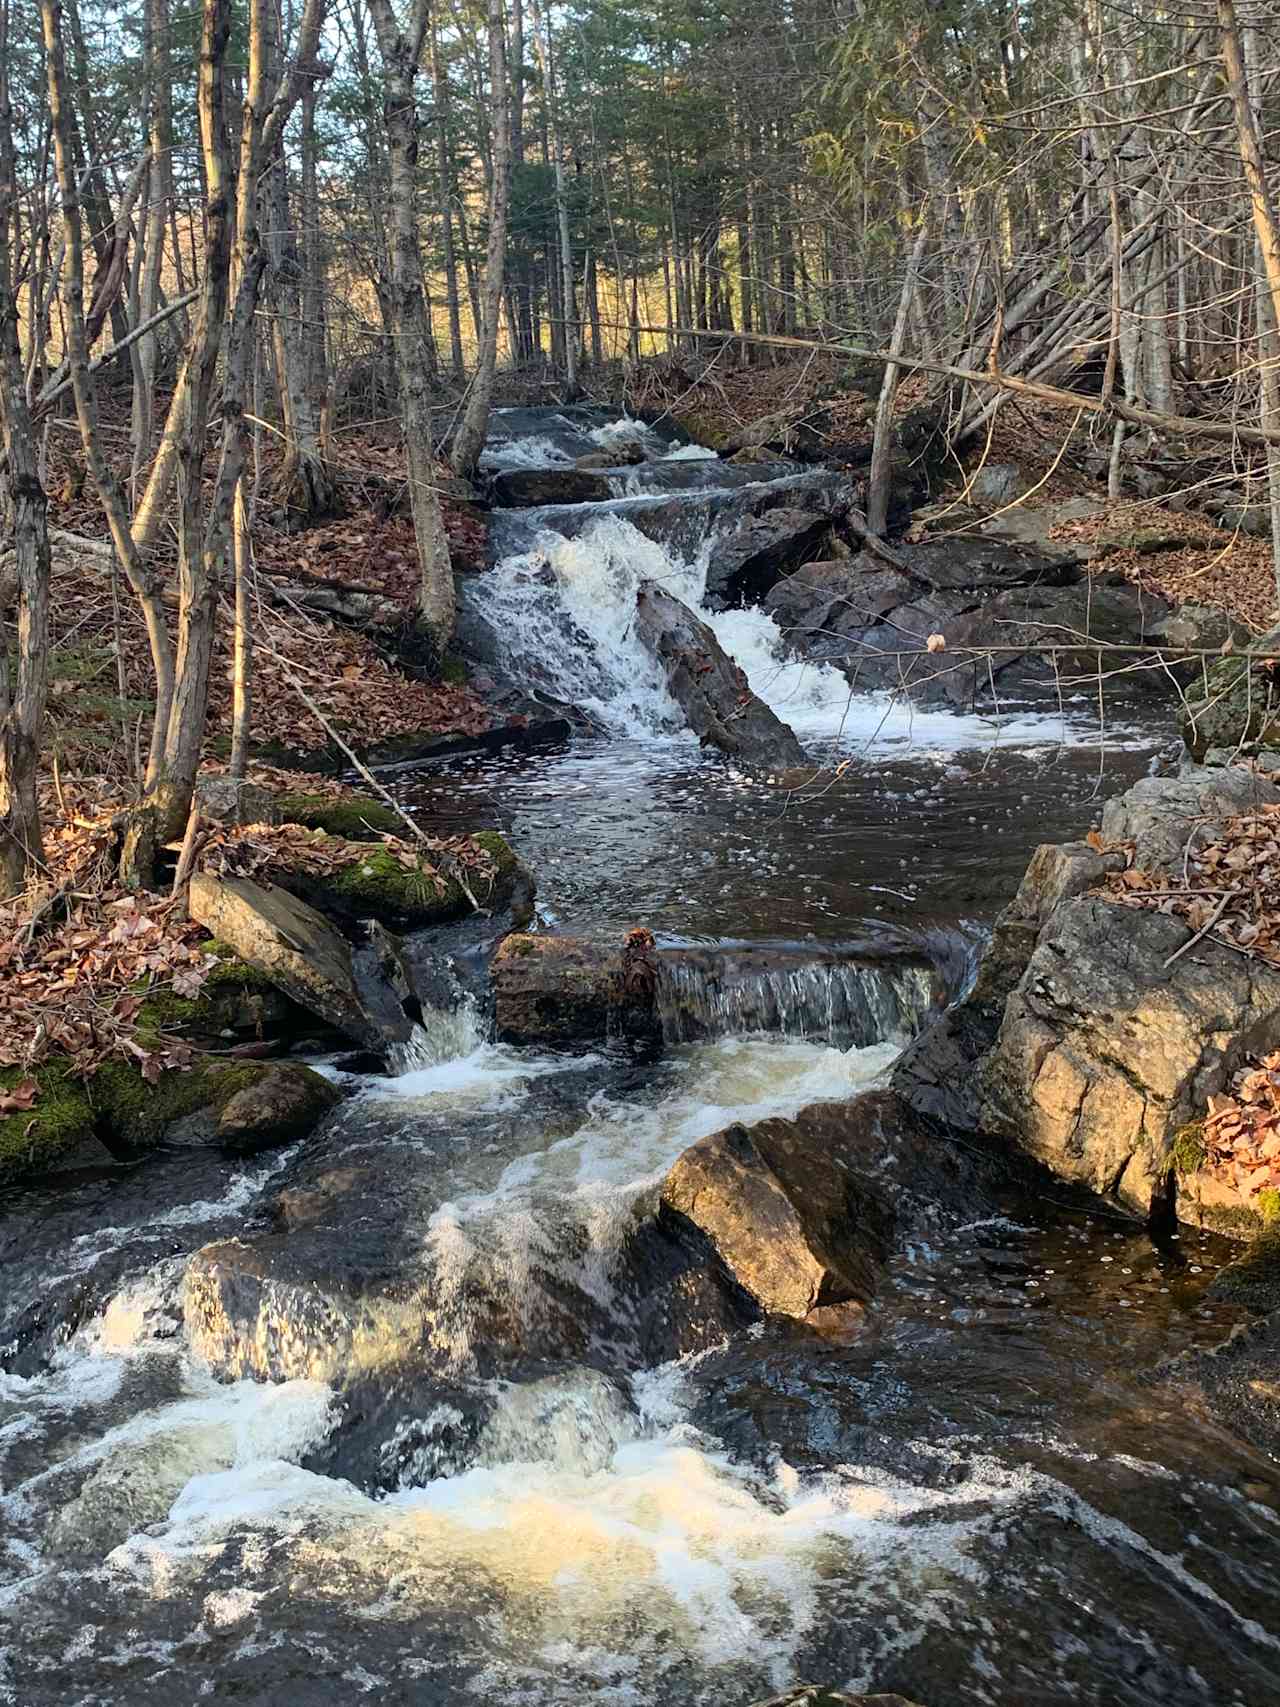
column 1083, row 1041
column 747, row 561
column 710, row 687
column 997, row 604
column 804, row 1212
column 293, row 945
column 1103, row 1055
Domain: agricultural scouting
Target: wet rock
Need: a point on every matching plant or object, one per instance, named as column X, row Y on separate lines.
column 534, row 488
column 793, row 1242
column 746, row 562
column 286, row 1103
column 291, row 943
column 134, row 1486
column 560, row 991
column 805, row 1212
column 626, row 453
column 712, row 690
column 1235, row 703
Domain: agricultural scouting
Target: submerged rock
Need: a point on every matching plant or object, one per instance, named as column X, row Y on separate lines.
column 817, row 1695
column 710, row 687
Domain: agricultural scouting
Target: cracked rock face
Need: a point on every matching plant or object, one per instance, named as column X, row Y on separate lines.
column 1083, row 1041
column 1104, row 1052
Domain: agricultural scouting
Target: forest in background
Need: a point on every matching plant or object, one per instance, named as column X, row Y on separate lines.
column 239, row 243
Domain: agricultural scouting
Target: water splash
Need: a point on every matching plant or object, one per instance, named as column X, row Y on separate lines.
column 443, row 1034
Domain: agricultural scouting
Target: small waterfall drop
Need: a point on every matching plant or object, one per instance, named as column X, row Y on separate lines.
column 840, row 1003
column 442, row 1034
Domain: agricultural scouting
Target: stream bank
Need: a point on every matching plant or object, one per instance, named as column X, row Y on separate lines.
column 472, row 1392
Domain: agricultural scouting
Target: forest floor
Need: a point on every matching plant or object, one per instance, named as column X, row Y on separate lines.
column 73, row 950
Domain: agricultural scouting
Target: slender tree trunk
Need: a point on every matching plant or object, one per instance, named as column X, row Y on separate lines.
column 475, row 423
column 444, row 180
column 401, row 55
column 879, row 479
column 24, row 520
column 138, row 573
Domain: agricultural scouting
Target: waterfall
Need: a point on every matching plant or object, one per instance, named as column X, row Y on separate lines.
column 841, row 1004
column 442, row 1034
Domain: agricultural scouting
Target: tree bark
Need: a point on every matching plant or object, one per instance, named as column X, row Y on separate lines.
column 22, row 699
column 475, row 423
column 401, row 55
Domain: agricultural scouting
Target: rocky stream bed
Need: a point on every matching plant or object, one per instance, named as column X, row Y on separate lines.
column 760, row 1259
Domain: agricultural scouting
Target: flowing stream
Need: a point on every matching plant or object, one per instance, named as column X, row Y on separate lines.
column 537, row 1463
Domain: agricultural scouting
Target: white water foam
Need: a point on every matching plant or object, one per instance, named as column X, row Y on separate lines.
column 580, row 636
column 689, row 453
column 535, row 452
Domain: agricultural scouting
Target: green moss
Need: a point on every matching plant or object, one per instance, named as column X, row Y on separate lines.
column 356, row 817
column 454, row 671
column 138, row 1114
column 58, row 1120
column 1187, row 1151
column 378, row 885
column 1268, row 1202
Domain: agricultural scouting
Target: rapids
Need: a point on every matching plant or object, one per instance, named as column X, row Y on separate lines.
column 991, row 1497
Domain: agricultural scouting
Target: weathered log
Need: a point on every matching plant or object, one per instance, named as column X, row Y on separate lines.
column 710, row 687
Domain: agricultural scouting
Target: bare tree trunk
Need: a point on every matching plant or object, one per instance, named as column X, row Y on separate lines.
column 444, row 176
column 1267, row 231
column 24, row 520
column 137, row 571
column 878, row 479
column 542, row 39
column 401, row 55
column 475, row 423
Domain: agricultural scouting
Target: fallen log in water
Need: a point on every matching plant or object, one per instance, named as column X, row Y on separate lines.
column 710, row 688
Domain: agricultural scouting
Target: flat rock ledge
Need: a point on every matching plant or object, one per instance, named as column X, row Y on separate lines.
column 1082, row 1042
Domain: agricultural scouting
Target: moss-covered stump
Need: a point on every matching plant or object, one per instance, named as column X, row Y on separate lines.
column 1236, row 703
column 374, row 883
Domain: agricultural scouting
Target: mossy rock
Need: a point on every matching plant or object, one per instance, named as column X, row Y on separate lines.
column 1187, row 1152
column 1235, row 703
column 57, row 1131
column 235, row 1000
column 378, row 886
column 137, row 1115
column 1254, row 1278
column 356, row 817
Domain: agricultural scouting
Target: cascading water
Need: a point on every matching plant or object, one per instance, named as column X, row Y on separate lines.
column 557, row 610
column 507, row 1483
